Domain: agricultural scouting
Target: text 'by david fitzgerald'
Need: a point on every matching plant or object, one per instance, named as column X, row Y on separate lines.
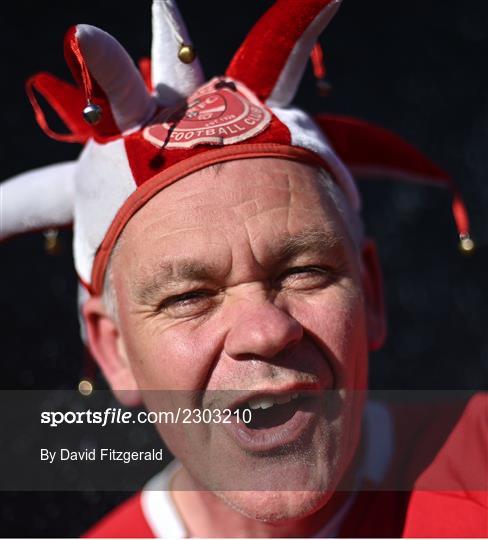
column 102, row 454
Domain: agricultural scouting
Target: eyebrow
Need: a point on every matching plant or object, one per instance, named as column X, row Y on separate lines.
column 313, row 240
column 170, row 274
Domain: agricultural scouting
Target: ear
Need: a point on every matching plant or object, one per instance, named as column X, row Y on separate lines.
column 372, row 279
column 107, row 346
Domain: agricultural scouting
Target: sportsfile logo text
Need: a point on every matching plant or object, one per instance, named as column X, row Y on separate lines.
column 115, row 415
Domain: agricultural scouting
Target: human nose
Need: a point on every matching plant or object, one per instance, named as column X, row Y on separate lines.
column 261, row 329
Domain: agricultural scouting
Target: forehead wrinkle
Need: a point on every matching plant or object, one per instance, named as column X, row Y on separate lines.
column 255, row 207
column 169, row 232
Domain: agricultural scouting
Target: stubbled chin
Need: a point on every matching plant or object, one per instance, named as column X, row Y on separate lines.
column 275, row 506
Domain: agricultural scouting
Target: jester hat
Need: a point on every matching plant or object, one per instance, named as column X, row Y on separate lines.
column 143, row 129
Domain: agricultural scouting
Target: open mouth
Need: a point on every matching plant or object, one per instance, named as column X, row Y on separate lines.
column 268, row 422
column 272, row 411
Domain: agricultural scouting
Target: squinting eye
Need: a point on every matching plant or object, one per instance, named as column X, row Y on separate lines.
column 186, row 304
column 305, row 278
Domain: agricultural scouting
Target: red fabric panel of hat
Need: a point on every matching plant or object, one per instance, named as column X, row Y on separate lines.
column 146, row 160
column 260, row 60
column 66, row 100
column 107, row 126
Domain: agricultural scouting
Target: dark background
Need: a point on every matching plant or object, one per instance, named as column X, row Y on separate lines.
column 417, row 67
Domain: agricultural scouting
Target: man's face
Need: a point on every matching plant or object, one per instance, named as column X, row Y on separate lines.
column 240, row 288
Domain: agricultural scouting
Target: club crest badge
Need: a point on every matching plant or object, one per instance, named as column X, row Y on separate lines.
column 221, row 112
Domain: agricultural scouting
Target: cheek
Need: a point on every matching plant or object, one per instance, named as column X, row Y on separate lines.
column 169, row 364
column 338, row 323
column 336, row 319
column 170, row 358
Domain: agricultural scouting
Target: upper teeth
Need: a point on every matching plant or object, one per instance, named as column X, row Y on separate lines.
column 269, row 401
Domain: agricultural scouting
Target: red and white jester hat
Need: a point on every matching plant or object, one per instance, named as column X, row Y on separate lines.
column 144, row 129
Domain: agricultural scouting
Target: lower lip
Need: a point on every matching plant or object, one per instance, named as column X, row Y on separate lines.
column 269, row 439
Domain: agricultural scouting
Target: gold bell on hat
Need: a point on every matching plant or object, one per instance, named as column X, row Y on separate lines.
column 85, row 387
column 92, row 113
column 466, row 244
column 187, row 53
column 324, row 88
column 52, row 244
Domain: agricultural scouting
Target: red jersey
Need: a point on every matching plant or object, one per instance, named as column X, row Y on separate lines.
column 446, row 464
